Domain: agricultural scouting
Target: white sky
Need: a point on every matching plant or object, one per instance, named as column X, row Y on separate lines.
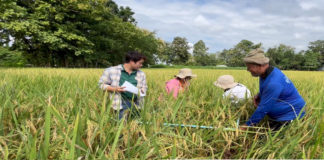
column 221, row 24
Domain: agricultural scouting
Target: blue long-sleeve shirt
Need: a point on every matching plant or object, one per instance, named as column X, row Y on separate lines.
column 280, row 99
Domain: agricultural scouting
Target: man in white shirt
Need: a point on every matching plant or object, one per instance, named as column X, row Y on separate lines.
column 232, row 90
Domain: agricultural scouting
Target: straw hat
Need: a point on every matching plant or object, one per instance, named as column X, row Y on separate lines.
column 256, row 56
column 225, row 82
column 185, row 72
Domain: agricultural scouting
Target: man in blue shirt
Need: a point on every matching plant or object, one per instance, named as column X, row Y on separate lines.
column 278, row 98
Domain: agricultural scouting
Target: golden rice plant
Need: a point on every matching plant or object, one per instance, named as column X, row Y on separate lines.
column 62, row 114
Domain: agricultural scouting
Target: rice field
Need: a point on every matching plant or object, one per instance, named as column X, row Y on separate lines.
column 62, row 114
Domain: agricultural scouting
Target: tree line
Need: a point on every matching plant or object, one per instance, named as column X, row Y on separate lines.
column 282, row 56
column 92, row 33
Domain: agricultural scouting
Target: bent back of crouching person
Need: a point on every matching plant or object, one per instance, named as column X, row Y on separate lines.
column 278, row 98
column 234, row 91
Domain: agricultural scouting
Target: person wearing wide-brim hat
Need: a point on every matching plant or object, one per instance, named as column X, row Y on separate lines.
column 235, row 91
column 278, row 98
column 180, row 83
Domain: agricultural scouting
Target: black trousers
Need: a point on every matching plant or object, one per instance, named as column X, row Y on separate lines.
column 277, row 125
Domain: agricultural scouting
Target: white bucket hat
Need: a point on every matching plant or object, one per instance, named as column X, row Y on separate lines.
column 185, row 72
column 225, row 82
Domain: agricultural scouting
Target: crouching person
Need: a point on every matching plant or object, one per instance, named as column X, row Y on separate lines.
column 278, row 98
column 234, row 91
column 180, row 83
column 114, row 77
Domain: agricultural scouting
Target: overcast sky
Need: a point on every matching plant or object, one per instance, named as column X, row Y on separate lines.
column 223, row 23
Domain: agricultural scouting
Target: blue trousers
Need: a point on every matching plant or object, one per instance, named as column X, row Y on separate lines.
column 126, row 104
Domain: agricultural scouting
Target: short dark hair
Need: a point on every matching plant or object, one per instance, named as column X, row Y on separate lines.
column 134, row 56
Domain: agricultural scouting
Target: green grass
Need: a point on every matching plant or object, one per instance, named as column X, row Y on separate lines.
column 61, row 114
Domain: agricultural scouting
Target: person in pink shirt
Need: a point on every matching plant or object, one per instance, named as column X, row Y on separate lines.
column 180, row 83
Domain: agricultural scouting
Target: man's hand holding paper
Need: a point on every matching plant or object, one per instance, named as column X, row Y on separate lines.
column 131, row 88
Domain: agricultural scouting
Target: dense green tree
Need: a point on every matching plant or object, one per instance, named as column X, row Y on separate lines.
column 212, row 59
column 177, row 51
column 298, row 62
column 200, row 53
column 10, row 58
column 318, row 46
column 41, row 28
column 222, row 56
column 125, row 13
column 233, row 57
column 73, row 32
column 191, row 61
column 311, row 60
column 162, row 55
column 282, row 56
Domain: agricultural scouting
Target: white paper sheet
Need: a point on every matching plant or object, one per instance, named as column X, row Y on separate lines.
column 131, row 88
